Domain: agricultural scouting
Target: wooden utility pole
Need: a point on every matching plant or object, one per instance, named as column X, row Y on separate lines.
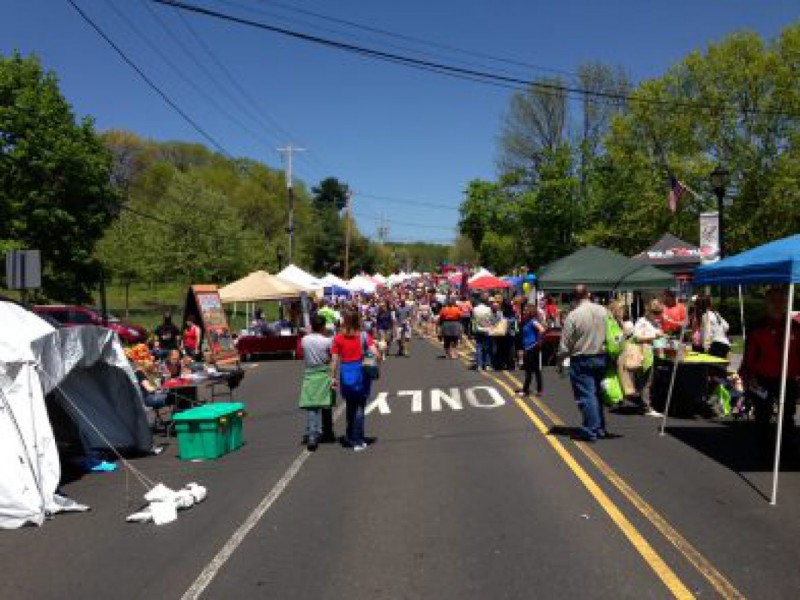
column 289, row 151
column 348, row 218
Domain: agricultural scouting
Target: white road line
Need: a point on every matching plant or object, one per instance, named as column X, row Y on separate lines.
column 212, row 568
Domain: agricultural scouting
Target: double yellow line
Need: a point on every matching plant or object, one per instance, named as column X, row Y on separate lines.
column 645, row 549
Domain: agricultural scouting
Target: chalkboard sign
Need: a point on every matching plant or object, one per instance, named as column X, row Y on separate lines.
column 204, row 303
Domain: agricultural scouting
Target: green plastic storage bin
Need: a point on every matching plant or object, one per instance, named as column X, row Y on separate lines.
column 207, row 432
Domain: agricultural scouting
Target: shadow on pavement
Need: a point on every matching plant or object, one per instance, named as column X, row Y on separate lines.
column 735, row 446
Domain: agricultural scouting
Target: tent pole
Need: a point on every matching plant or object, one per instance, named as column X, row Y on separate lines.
column 741, row 315
column 675, row 364
column 782, row 401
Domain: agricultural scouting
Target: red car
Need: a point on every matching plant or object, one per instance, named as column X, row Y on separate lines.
column 72, row 316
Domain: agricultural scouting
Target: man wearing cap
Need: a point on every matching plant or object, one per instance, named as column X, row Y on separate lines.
column 583, row 341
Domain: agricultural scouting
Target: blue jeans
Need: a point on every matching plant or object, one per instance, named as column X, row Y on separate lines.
column 586, row 373
column 313, row 423
column 483, row 350
column 354, row 412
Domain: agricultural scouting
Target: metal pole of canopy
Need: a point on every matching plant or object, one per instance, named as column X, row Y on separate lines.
column 675, row 364
column 741, row 315
column 782, row 401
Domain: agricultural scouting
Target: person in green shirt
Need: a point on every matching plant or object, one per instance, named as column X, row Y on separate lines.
column 327, row 314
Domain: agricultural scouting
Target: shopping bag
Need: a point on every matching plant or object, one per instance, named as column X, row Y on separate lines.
column 611, row 389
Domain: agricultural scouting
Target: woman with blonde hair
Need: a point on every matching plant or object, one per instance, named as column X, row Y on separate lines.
column 638, row 356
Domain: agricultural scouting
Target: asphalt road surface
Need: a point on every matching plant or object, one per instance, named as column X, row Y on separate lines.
column 466, row 492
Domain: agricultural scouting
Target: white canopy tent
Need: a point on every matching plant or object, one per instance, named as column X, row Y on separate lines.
column 481, row 273
column 298, row 276
column 332, row 280
column 360, row 283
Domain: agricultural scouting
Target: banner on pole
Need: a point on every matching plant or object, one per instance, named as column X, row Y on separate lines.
column 709, row 237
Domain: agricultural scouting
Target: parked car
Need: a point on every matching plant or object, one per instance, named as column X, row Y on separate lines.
column 72, row 316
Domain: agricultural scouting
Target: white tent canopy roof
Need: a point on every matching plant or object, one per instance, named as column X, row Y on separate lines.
column 481, row 273
column 298, row 276
column 360, row 283
column 330, row 280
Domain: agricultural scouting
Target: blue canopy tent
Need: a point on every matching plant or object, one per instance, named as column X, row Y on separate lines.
column 776, row 263
column 518, row 280
column 336, row 291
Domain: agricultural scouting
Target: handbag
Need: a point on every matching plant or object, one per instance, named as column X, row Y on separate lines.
column 632, row 356
column 611, row 389
column 499, row 329
column 369, row 362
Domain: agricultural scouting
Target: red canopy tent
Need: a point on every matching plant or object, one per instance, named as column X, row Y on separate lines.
column 489, row 282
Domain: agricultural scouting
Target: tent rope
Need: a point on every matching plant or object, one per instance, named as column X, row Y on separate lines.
column 146, row 482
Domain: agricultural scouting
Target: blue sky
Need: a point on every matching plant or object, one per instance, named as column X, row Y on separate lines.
column 386, row 130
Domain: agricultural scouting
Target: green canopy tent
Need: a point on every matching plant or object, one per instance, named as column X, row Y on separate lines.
column 602, row 270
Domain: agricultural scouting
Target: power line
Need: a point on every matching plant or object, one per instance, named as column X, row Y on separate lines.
column 182, row 75
column 257, row 112
column 404, row 223
column 172, row 104
column 414, row 202
column 410, row 38
column 479, row 76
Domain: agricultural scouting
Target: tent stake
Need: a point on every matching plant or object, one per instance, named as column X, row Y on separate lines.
column 784, row 373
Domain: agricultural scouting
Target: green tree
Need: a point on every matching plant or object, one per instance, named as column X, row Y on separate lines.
column 55, row 192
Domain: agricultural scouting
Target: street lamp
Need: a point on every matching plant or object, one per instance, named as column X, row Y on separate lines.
column 719, row 182
column 280, row 258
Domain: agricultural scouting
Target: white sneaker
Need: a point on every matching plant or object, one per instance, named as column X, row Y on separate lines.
column 359, row 447
column 653, row 413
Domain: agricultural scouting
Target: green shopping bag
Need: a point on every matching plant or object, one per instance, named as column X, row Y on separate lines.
column 611, row 389
column 723, row 396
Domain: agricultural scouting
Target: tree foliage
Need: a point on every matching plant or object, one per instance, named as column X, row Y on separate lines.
column 55, row 192
column 737, row 103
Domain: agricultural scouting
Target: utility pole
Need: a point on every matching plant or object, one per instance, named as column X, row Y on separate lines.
column 347, row 235
column 289, row 152
column 383, row 230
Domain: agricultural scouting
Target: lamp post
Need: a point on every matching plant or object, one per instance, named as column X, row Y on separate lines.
column 719, row 183
column 280, row 258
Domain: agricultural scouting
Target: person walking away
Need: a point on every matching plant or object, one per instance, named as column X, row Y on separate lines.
column 450, row 329
column 385, row 324
column 508, row 343
column 675, row 316
column 762, row 369
column 403, row 314
column 168, row 336
column 583, row 341
column 348, row 350
column 191, row 338
column 465, row 307
column 481, row 324
column 531, row 334
column 424, row 316
column 638, row 356
column 713, row 329
column 316, row 393
column 497, row 336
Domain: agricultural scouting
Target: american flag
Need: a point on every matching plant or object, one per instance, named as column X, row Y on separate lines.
column 676, row 191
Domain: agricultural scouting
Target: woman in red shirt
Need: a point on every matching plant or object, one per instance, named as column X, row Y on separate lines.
column 191, row 337
column 348, row 375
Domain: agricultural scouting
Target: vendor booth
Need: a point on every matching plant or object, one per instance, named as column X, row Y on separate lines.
column 602, row 270
column 776, row 263
column 260, row 286
column 675, row 256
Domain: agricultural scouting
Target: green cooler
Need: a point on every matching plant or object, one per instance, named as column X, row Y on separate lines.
column 209, row 431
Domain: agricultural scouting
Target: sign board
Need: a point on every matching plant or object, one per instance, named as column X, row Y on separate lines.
column 203, row 301
column 709, row 237
column 23, row 270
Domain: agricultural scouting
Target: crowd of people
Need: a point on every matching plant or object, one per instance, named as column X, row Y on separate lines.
column 508, row 332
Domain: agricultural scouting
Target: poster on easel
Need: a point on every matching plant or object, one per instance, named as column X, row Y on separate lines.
column 204, row 303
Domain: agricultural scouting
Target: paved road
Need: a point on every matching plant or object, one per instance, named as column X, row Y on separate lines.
column 467, row 493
